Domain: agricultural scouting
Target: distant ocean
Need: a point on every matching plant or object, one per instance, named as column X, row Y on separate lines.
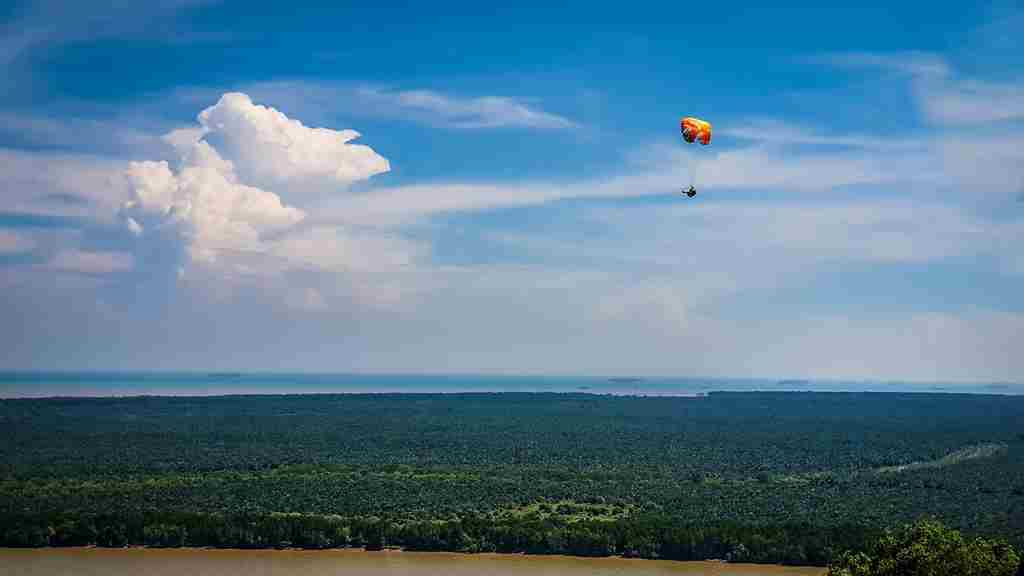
column 46, row 384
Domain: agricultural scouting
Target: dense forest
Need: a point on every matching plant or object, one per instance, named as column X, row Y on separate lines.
column 795, row 477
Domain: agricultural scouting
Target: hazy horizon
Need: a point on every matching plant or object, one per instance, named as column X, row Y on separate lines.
column 127, row 384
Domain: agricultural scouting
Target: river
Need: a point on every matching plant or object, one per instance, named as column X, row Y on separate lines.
column 205, row 562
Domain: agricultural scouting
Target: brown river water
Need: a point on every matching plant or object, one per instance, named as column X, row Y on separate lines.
column 204, row 562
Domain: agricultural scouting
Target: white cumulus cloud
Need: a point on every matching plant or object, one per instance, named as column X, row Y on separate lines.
column 211, row 209
column 228, row 199
column 271, row 148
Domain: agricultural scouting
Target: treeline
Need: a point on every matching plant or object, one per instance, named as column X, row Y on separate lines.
column 647, row 537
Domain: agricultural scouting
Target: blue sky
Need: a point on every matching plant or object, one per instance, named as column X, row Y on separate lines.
column 181, row 189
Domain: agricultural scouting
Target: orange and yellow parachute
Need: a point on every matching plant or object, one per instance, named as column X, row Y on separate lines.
column 696, row 129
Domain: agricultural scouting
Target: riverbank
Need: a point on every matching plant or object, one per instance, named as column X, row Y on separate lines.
column 89, row 561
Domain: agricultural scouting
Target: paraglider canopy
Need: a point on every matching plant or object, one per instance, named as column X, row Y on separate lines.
column 696, row 129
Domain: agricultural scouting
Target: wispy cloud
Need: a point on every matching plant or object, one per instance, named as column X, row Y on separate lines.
column 84, row 262
column 424, row 106
column 13, row 243
column 48, row 24
column 945, row 97
column 781, row 133
column 980, row 141
column 60, row 184
column 992, row 164
column 71, row 133
column 14, row 42
column 973, row 102
column 466, row 112
column 699, row 256
column 917, row 64
column 755, row 238
column 666, row 169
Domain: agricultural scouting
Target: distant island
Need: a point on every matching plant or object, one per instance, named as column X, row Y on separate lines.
column 626, row 380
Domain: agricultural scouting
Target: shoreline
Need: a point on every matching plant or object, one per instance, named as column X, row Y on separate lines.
column 714, row 565
column 384, row 550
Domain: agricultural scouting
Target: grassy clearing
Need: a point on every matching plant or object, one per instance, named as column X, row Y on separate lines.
column 968, row 453
column 568, row 510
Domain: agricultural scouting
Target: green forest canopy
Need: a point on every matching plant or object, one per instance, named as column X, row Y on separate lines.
column 794, row 477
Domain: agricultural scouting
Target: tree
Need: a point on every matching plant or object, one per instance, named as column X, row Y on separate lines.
column 928, row 548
